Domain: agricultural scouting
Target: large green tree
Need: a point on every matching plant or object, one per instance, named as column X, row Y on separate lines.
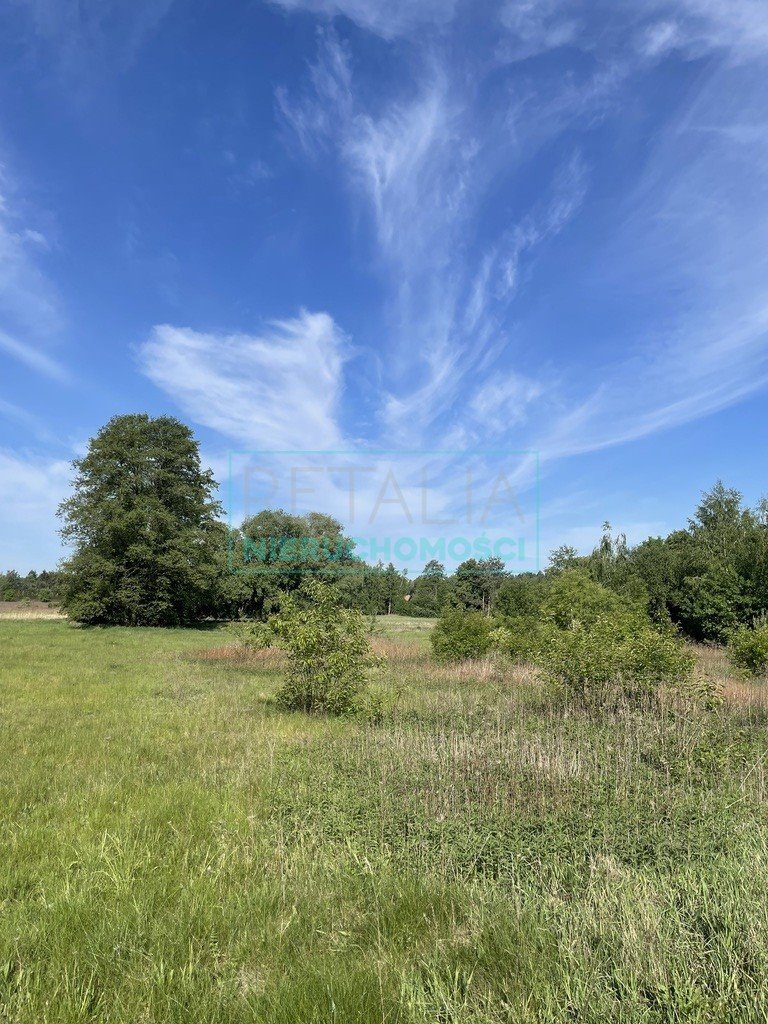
column 430, row 590
column 143, row 523
column 275, row 552
column 476, row 583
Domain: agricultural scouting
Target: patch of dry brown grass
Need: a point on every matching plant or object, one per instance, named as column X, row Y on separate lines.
column 29, row 610
column 396, row 653
column 734, row 687
column 235, row 654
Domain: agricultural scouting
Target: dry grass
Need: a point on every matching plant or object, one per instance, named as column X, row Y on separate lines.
column 244, row 657
column 734, row 686
column 29, row 610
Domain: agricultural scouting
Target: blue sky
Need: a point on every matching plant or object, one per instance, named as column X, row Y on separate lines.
column 405, row 225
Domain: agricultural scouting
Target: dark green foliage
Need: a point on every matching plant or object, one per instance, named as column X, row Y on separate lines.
column 710, row 606
column 393, row 588
column 459, row 635
column 660, row 566
column 600, row 646
column 748, row 648
column 521, row 595
column 274, row 552
column 563, row 557
column 35, row 586
column 142, row 520
column 520, row 637
column 328, row 649
column 476, row 583
column 706, row 579
column 713, row 574
column 574, row 599
column 430, row 590
column 615, row 658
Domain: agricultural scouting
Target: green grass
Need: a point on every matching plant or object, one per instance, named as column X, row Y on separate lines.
column 173, row 848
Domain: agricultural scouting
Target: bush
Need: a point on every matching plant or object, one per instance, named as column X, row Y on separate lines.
column 415, row 611
column 519, row 638
column 253, row 634
column 616, row 659
column 748, row 648
column 459, row 635
column 521, row 596
column 576, row 600
column 328, row 651
column 713, row 604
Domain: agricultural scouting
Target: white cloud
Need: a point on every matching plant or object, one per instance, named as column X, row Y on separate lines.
column 88, row 34
column 27, row 299
column 25, row 419
column 652, row 28
column 276, row 390
column 33, row 488
column 411, row 164
column 387, row 18
column 33, row 358
column 738, row 26
column 423, row 166
column 501, row 404
column 428, row 162
column 568, row 193
column 327, row 105
column 659, row 38
column 694, row 228
column 537, row 26
column 29, row 307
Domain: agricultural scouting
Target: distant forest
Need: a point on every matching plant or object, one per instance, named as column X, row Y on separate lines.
column 707, row 579
column 149, row 548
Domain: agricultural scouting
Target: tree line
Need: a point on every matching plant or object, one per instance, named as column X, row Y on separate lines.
column 150, row 548
column 35, row 586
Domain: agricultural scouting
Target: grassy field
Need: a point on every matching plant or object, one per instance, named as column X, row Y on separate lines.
column 176, row 849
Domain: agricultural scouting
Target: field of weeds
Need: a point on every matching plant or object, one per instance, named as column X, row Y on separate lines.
column 175, row 848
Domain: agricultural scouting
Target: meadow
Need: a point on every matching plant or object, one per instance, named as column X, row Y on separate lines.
column 175, row 848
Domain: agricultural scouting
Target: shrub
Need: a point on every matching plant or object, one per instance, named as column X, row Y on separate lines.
column 377, row 703
column 713, row 604
column 616, row 658
column 576, row 600
column 459, row 635
column 253, row 634
column 519, row 638
column 521, row 595
column 328, row 651
column 748, row 648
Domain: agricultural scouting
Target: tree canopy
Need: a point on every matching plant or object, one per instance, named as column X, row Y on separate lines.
column 144, row 525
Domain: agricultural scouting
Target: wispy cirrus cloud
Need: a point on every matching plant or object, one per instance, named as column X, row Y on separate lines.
column 425, row 166
column 30, row 313
column 527, row 28
column 650, row 29
column 34, row 358
column 693, row 228
column 32, row 424
column 739, row 27
column 428, row 166
column 283, row 384
column 33, row 487
column 390, row 19
column 27, row 298
column 90, row 35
